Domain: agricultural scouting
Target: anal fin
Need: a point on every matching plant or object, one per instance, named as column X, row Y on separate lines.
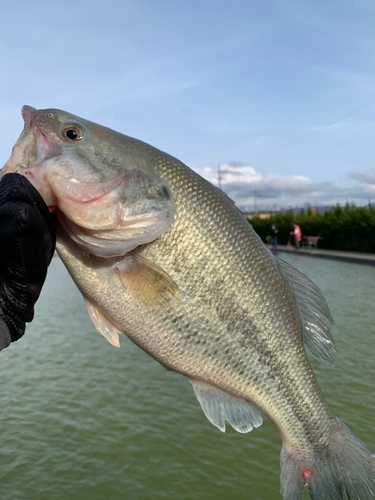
column 102, row 324
column 218, row 406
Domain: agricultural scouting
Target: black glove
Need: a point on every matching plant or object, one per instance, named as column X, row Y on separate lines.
column 27, row 244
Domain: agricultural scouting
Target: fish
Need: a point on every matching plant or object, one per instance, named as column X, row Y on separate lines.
column 166, row 258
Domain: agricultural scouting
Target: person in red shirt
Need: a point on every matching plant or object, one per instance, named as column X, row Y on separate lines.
column 297, row 235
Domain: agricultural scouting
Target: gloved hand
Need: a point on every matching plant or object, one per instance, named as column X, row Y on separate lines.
column 27, row 244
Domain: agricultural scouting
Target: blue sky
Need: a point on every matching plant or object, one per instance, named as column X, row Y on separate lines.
column 280, row 94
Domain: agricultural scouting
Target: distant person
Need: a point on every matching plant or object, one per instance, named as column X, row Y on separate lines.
column 273, row 233
column 297, row 235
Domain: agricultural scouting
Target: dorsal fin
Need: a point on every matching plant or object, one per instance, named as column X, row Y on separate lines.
column 311, row 305
column 225, row 196
column 218, row 406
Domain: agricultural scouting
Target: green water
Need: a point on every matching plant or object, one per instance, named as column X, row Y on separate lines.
column 81, row 419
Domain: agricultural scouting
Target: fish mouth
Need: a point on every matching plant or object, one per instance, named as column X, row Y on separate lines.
column 28, row 114
column 78, row 190
column 28, row 153
column 12, row 165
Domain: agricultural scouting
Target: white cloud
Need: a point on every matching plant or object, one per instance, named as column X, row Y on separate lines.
column 240, row 182
column 232, row 174
column 367, row 178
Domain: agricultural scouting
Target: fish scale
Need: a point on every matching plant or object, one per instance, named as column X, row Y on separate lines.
column 164, row 257
column 241, row 287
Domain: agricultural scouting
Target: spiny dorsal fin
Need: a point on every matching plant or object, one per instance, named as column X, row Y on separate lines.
column 311, row 306
column 225, row 196
column 146, row 282
column 218, row 406
column 102, row 324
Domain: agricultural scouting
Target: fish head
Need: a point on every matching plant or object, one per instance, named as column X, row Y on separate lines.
column 102, row 183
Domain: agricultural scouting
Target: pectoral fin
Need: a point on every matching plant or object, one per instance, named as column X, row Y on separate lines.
column 146, row 283
column 102, row 324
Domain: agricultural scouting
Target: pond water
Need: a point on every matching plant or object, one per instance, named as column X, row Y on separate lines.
column 81, row 419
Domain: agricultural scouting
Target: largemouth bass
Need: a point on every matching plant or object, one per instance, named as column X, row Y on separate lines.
column 164, row 257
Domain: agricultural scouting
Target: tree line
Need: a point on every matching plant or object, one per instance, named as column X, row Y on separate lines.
column 349, row 228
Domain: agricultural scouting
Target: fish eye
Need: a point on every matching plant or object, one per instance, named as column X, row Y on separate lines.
column 73, row 132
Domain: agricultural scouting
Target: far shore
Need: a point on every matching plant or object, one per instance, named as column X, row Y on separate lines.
column 354, row 257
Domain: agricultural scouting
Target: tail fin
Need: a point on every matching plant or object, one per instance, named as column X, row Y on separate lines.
column 343, row 469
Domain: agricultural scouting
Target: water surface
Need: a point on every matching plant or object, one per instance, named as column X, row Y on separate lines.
column 81, row 419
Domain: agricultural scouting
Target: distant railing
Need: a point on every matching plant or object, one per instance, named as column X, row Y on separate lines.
column 311, row 241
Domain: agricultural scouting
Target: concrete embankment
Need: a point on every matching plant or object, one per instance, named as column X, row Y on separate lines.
column 355, row 257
